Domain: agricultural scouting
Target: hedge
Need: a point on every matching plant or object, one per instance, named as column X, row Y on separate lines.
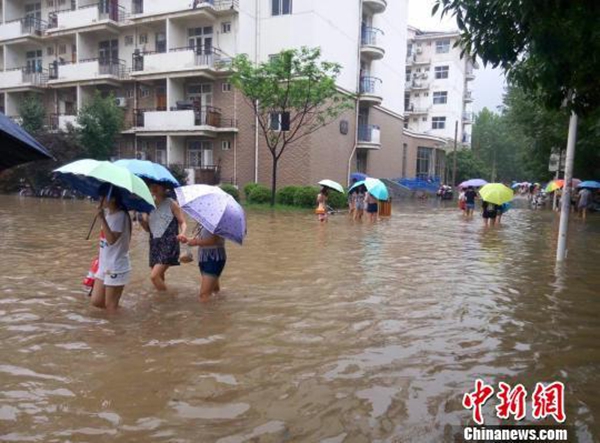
column 306, row 196
column 248, row 187
column 337, row 200
column 231, row 190
column 285, row 196
column 259, row 194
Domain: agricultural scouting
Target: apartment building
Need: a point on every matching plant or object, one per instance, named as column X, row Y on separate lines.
column 168, row 63
column 437, row 94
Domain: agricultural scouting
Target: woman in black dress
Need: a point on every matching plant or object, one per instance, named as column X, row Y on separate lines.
column 167, row 227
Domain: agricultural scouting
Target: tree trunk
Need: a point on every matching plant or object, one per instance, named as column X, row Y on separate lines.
column 274, row 180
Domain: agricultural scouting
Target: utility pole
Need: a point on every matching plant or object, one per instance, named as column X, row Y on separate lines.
column 565, row 202
column 454, row 159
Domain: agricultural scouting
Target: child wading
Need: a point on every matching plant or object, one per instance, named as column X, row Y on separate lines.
column 321, row 210
column 372, row 207
column 114, row 268
column 167, row 226
column 211, row 260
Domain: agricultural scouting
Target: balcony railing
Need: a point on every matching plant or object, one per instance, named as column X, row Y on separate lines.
column 140, row 7
column 369, row 133
column 22, row 27
column 116, row 68
column 105, row 10
column 155, row 61
column 467, row 117
column 14, row 77
column 370, row 36
column 370, row 85
column 202, row 116
column 203, row 174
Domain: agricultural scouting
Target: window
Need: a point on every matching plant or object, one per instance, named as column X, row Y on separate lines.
column 50, row 50
column 409, row 50
column 408, row 74
column 225, row 145
column 424, row 156
column 280, row 121
column 361, row 161
column 62, row 49
column 440, row 97
column 416, row 95
column 441, row 72
column 424, row 119
column 200, row 154
column 161, row 155
column 129, row 93
column 143, row 39
column 438, row 122
column 128, row 40
column 281, row 7
column 226, row 27
column 404, row 156
column 442, row 46
column 440, row 163
column 226, row 87
column 144, row 92
column 426, row 94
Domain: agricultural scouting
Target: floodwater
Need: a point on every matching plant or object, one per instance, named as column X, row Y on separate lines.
column 338, row 333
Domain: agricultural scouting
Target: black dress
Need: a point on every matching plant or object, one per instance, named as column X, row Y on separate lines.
column 165, row 250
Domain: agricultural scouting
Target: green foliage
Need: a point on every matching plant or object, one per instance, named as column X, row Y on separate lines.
column 260, row 194
column 285, row 196
column 337, row 200
column 100, row 122
column 468, row 166
column 33, row 114
column 548, row 48
column 306, row 196
column 231, row 190
column 179, row 173
column 248, row 188
column 298, row 83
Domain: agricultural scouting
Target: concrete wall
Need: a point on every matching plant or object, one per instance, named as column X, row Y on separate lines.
column 387, row 161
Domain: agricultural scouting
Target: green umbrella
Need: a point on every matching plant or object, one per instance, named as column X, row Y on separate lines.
column 496, row 193
column 87, row 176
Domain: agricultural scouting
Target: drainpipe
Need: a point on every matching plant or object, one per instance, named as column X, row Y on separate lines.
column 357, row 108
column 256, row 61
column 235, row 138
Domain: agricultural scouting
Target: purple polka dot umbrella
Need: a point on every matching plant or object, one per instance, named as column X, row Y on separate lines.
column 214, row 209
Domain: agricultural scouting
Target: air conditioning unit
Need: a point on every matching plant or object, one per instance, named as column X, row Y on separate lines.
column 121, row 102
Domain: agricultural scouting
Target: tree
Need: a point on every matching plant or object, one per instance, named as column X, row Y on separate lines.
column 468, row 166
column 292, row 96
column 33, row 114
column 100, row 122
column 549, row 48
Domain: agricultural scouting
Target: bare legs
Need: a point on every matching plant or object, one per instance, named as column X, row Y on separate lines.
column 106, row 297
column 157, row 276
column 209, row 285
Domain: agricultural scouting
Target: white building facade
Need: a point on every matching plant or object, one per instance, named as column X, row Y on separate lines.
column 167, row 63
column 437, row 93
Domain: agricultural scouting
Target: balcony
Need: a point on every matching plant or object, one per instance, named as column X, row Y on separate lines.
column 22, row 79
column 467, row 118
column 470, row 75
column 371, row 43
column 184, row 119
column 369, row 137
column 415, row 110
column 468, row 97
column 377, row 6
column 419, row 85
column 143, row 8
column 62, row 122
column 22, row 28
column 90, row 17
column 179, row 62
column 93, row 70
column 370, row 90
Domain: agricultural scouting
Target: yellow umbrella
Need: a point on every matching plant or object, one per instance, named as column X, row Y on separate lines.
column 496, row 193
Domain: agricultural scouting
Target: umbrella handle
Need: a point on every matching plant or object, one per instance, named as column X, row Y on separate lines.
column 92, row 228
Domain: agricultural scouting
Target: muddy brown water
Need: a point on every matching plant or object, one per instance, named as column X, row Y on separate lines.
column 338, row 333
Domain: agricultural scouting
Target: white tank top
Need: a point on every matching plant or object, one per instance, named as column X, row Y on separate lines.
column 160, row 219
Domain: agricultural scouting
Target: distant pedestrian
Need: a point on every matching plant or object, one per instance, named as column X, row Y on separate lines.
column 462, row 202
column 321, row 210
column 470, row 196
column 372, row 207
column 489, row 211
column 585, row 200
column 359, row 201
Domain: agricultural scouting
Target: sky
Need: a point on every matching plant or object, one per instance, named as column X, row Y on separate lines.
column 488, row 86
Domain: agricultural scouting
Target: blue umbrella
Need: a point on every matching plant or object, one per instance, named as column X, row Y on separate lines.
column 214, row 209
column 358, row 176
column 375, row 187
column 149, row 170
column 589, row 184
column 17, row 146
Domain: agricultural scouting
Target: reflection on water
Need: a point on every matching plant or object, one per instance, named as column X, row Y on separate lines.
column 338, row 333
